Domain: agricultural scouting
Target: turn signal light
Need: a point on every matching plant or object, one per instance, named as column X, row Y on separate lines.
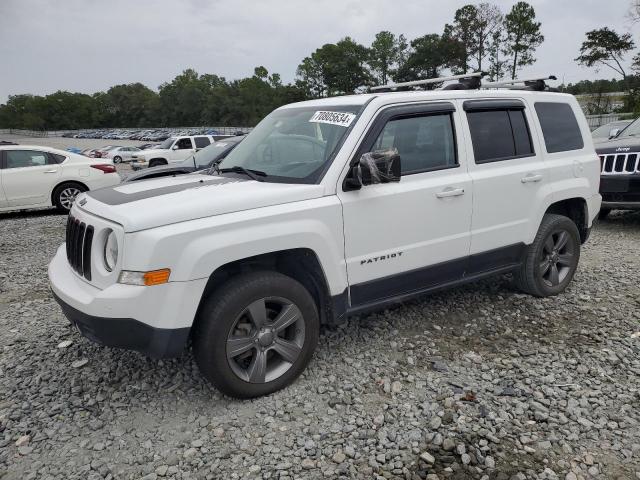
column 105, row 168
column 156, row 277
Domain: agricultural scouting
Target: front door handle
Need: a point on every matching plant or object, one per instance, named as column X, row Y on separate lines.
column 51, row 171
column 450, row 192
column 530, row 178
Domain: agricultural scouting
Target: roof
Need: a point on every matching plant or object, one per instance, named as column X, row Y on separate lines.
column 416, row 95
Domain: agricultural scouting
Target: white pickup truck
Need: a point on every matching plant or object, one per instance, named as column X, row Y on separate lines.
column 172, row 150
column 330, row 208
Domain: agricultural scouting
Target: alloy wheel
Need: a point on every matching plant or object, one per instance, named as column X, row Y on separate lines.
column 68, row 196
column 265, row 340
column 557, row 258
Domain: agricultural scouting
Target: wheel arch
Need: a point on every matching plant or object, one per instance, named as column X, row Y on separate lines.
column 63, row 182
column 577, row 210
column 159, row 159
column 301, row 264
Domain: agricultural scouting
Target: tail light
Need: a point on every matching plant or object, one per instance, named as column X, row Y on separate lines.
column 105, row 168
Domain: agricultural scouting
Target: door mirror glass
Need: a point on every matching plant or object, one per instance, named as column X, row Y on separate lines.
column 379, row 166
column 614, row 132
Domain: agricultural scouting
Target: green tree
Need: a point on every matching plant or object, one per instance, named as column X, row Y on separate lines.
column 335, row 69
column 606, row 47
column 429, row 55
column 462, row 31
column 522, row 36
column 386, row 54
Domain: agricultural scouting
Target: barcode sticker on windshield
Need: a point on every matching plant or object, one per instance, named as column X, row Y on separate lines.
column 342, row 119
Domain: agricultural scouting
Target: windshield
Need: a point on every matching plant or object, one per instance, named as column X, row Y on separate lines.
column 204, row 157
column 166, row 145
column 294, row 145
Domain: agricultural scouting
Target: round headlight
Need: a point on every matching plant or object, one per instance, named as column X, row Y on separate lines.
column 111, row 252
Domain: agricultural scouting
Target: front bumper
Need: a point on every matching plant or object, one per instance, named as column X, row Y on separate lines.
column 155, row 321
column 620, row 191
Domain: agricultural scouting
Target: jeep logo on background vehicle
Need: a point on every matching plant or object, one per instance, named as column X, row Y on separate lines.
column 248, row 270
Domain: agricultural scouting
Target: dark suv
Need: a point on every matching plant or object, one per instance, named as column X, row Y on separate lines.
column 620, row 170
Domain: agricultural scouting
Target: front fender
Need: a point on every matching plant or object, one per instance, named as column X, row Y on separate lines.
column 197, row 248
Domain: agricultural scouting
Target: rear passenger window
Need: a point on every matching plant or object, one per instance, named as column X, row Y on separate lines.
column 202, row 142
column 424, row 143
column 500, row 134
column 559, row 127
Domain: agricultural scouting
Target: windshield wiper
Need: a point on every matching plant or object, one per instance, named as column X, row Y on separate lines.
column 249, row 172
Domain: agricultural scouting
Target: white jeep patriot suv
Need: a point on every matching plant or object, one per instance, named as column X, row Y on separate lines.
column 329, row 208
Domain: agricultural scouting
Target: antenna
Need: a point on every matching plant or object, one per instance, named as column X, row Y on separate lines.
column 467, row 79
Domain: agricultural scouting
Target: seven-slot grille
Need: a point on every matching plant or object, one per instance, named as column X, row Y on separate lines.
column 620, row 163
column 79, row 240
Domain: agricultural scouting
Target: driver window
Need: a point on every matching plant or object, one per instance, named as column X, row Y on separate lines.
column 424, row 142
column 184, row 143
column 26, row 158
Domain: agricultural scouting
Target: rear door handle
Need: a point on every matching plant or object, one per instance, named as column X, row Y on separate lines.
column 531, row 178
column 450, row 192
column 51, row 171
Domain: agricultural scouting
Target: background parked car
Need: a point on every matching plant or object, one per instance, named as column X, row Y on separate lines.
column 121, row 154
column 35, row 176
column 604, row 132
column 172, row 150
column 202, row 160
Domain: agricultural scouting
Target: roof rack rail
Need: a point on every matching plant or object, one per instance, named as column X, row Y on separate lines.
column 466, row 81
column 535, row 83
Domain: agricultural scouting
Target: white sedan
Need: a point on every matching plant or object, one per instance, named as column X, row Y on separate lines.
column 34, row 176
column 121, row 154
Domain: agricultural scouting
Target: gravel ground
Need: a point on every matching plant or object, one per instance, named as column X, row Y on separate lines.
column 478, row 382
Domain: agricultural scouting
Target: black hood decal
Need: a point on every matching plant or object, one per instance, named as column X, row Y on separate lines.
column 111, row 196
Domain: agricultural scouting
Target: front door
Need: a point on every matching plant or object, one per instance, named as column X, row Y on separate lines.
column 28, row 177
column 405, row 237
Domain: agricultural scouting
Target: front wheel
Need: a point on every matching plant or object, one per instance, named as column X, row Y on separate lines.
column 551, row 261
column 256, row 334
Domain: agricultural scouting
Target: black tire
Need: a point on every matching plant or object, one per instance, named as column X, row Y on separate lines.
column 537, row 276
column 117, row 159
column 227, row 309
column 604, row 213
column 62, row 195
column 156, row 163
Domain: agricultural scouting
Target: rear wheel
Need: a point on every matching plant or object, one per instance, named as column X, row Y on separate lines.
column 117, row 159
column 65, row 194
column 552, row 259
column 256, row 334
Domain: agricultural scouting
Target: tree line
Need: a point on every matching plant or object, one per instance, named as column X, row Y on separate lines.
column 480, row 37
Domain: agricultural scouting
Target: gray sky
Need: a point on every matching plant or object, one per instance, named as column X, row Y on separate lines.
column 90, row 45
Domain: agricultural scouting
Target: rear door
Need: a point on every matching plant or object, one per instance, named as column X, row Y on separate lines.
column 509, row 179
column 406, row 237
column 28, row 177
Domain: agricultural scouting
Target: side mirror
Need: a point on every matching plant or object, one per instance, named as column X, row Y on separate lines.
column 380, row 166
column 614, row 132
column 175, row 147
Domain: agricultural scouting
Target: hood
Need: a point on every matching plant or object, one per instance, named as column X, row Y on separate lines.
column 165, row 200
column 619, row 145
column 181, row 167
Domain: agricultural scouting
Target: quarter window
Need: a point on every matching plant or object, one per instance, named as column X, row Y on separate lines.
column 559, row 127
column 500, row 134
column 26, row 158
column 423, row 142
